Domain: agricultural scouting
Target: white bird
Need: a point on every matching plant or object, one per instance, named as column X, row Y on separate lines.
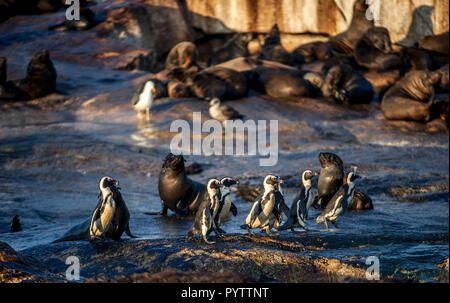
column 143, row 99
column 222, row 112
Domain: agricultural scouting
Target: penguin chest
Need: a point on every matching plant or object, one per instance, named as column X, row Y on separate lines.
column 266, row 210
column 225, row 210
column 104, row 223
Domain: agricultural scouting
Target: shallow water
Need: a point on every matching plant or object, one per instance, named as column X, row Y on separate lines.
column 51, row 163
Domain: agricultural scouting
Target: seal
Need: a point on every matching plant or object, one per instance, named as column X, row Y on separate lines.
column 111, row 216
column 412, row 97
column 310, row 52
column 345, row 42
column 177, row 89
column 8, row 90
column 279, row 83
column 301, row 203
column 205, row 217
column 183, row 54
column 15, row 224
column 374, row 50
column 330, row 179
column 235, row 47
column 215, row 82
column 348, row 86
column 437, row 43
column 262, row 209
column 339, row 203
column 178, row 193
column 273, row 50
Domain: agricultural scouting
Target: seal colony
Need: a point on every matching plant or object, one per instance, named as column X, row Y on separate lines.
column 248, row 63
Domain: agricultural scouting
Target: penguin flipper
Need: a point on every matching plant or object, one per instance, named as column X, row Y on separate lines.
column 128, row 232
column 289, row 224
column 284, row 208
column 233, row 209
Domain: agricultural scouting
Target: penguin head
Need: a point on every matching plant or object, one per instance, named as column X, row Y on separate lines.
column 213, row 185
column 352, row 176
column 214, row 102
column 174, row 162
column 107, row 182
column 227, row 182
column 272, row 180
column 309, row 174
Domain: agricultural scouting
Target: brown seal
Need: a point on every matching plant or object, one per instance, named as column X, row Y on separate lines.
column 177, row 89
column 310, row 52
column 345, row 42
column 412, row 97
column 184, row 55
column 278, row 83
column 235, row 47
column 374, row 50
column 437, row 43
column 273, row 50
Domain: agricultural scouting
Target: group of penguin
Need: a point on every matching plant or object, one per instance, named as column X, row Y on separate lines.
column 111, row 216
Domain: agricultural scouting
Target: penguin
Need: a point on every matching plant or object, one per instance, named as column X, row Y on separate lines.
column 301, row 203
column 222, row 112
column 225, row 205
column 143, row 99
column 15, row 224
column 339, row 203
column 204, row 218
column 330, row 180
column 263, row 208
column 111, row 217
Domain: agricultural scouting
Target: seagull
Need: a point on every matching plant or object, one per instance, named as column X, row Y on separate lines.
column 222, row 112
column 143, row 99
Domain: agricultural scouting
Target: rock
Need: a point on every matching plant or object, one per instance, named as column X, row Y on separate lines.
column 183, row 55
column 2, row 70
column 248, row 192
column 76, row 233
column 41, row 76
column 15, row 224
column 155, row 28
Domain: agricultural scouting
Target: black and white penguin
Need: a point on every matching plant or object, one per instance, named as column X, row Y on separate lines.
column 204, row 218
column 222, row 112
column 339, row 203
column 263, row 208
column 143, row 99
column 111, row 217
column 301, row 203
column 226, row 205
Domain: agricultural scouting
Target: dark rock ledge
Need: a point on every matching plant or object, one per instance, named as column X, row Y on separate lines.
column 235, row 258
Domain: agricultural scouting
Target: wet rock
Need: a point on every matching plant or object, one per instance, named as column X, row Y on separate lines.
column 143, row 61
column 15, row 224
column 2, row 70
column 87, row 21
column 41, row 76
column 194, row 168
column 146, row 25
column 255, row 258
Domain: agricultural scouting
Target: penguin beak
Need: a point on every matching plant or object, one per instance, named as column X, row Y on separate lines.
column 115, row 182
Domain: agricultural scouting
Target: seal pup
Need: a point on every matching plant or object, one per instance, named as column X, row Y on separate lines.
column 178, row 192
column 263, row 207
column 347, row 86
column 374, row 50
column 331, row 178
column 15, row 224
column 204, row 221
column 412, row 97
column 235, row 47
column 143, row 99
column 225, row 204
column 111, row 217
column 222, row 112
column 184, row 54
column 339, row 203
column 301, row 203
